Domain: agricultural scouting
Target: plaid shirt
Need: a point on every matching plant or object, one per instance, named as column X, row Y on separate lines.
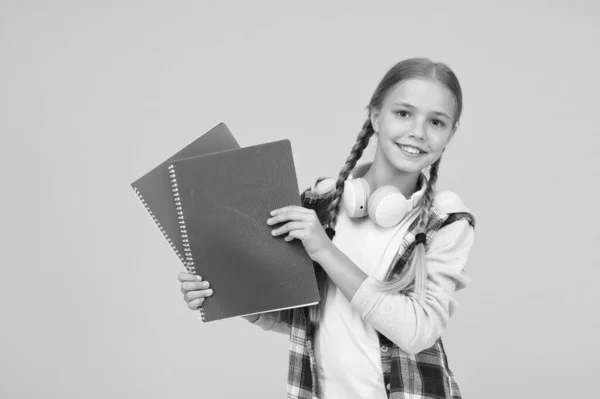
column 426, row 375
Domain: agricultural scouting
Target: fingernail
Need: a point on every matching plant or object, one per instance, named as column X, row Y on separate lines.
column 272, row 212
column 209, row 292
column 198, row 277
column 205, row 284
column 269, row 221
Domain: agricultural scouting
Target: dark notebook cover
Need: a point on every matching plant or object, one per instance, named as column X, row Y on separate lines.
column 224, row 202
column 154, row 188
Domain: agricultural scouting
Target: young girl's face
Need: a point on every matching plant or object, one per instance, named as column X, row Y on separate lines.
column 414, row 124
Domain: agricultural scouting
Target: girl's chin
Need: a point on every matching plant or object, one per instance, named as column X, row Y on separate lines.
column 410, row 166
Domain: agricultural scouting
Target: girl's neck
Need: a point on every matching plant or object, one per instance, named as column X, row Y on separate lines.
column 383, row 174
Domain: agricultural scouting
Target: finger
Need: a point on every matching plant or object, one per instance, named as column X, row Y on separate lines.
column 183, row 276
column 286, row 228
column 290, row 208
column 192, row 295
column 295, row 234
column 196, row 303
column 194, row 286
column 289, row 215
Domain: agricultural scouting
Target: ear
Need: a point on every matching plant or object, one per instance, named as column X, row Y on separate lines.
column 375, row 120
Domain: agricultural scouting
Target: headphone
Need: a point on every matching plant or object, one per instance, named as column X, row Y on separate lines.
column 386, row 207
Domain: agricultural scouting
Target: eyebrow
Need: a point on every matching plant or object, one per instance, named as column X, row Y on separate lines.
column 413, row 107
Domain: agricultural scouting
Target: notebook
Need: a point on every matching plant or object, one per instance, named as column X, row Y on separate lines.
column 224, row 202
column 154, row 188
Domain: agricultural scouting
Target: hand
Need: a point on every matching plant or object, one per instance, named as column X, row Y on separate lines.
column 304, row 225
column 194, row 290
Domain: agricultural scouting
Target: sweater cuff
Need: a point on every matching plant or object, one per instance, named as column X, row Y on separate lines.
column 366, row 297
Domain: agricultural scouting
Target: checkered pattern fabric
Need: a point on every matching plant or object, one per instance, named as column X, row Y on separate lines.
column 425, row 375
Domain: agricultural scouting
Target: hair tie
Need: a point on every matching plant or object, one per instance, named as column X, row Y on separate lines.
column 330, row 232
column 420, row 238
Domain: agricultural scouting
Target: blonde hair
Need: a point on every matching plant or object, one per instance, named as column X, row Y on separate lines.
column 413, row 276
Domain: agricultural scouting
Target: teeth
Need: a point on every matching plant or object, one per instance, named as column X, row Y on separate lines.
column 410, row 150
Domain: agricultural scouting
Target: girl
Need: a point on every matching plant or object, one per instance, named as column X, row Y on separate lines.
column 389, row 252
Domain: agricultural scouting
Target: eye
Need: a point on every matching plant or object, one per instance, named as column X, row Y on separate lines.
column 438, row 123
column 402, row 113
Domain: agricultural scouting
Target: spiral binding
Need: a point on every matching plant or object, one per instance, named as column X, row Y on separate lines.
column 162, row 230
column 189, row 260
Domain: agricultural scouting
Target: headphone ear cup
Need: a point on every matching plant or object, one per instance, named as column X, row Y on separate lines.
column 387, row 206
column 355, row 197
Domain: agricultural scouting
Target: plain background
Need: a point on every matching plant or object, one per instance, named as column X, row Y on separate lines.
column 93, row 94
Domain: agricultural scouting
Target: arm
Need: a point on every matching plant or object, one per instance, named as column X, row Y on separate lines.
column 411, row 324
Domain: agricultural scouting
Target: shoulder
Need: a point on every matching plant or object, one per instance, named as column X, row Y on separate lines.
column 450, row 208
column 455, row 224
column 449, row 202
column 321, row 188
column 318, row 196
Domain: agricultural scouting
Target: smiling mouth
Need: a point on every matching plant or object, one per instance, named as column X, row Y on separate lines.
column 411, row 150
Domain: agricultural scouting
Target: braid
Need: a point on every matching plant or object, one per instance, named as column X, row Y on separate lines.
column 428, row 196
column 414, row 274
column 418, row 262
column 357, row 150
column 314, row 312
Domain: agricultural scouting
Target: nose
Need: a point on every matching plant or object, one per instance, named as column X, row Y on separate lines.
column 418, row 130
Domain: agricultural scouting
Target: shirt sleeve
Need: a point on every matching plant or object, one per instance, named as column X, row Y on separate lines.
column 412, row 324
column 270, row 322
